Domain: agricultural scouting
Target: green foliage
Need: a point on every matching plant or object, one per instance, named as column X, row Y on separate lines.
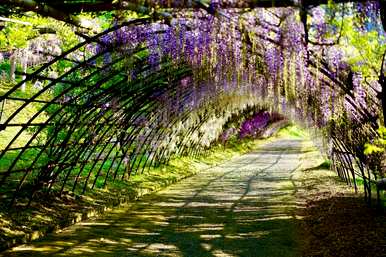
column 364, row 49
column 370, row 149
column 66, row 35
column 15, row 35
column 358, row 37
column 379, row 144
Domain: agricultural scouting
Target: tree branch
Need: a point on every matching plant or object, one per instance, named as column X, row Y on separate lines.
column 43, row 9
column 109, row 5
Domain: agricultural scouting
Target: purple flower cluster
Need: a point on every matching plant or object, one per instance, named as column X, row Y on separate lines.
column 254, row 126
column 260, row 52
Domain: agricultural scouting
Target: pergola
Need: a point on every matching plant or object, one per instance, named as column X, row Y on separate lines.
column 147, row 89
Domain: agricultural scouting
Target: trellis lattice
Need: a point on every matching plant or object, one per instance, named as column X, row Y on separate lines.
column 144, row 91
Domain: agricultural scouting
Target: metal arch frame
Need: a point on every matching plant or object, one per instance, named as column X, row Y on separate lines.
column 145, row 149
column 48, row 104
column 36, row 133
column 98, row 143
column 80, row 151
column 53, row 136
column 66, row 119
column 136, row 156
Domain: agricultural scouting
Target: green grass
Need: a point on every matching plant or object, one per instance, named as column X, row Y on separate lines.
column 22, row 117
column 292, row 131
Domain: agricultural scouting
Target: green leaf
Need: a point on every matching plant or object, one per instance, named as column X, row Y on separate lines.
column 371, row 149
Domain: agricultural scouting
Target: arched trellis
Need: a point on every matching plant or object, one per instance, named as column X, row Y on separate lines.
column 97, row 117
column 123, row 105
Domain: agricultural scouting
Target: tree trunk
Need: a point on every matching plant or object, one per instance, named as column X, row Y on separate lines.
column 12, row 62
column 24, row 65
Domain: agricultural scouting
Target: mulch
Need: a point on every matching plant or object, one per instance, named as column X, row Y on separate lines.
column 344, row 225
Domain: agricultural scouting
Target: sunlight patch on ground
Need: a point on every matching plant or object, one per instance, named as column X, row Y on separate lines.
column 204, row 204
column 245, row 204
column 161, row 247
column 165, row 204
column 209, row 236
column 253, row 234
column 219, row 253
column 207, row 247
column 45, row 249
column 104, row 240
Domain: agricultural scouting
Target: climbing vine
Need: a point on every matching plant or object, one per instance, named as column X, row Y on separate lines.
column 140, row 88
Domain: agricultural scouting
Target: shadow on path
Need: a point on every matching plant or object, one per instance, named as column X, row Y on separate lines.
column 244, row 207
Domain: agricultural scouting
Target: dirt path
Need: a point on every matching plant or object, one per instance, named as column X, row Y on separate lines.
column 244, row 207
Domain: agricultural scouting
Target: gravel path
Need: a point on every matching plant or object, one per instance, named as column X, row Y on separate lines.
column 243, row 207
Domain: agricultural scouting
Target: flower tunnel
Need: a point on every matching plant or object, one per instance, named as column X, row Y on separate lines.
column 157, row 87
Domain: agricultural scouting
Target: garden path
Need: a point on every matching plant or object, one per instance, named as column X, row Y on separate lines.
column 243, row 207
